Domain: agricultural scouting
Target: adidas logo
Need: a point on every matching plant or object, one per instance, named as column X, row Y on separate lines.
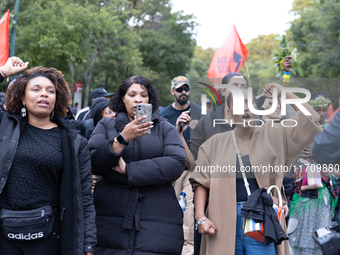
column 29, row 236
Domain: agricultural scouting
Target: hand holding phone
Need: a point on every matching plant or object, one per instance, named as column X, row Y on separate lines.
column 144, row 109
column 183, row 123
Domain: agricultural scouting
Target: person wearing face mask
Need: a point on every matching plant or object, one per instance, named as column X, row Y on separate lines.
column 137, row 209
column 45, row 171
column 270, row 145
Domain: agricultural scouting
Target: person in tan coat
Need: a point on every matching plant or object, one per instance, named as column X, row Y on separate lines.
column 270, row 149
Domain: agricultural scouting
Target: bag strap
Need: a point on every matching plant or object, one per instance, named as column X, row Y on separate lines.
column 278, row 193
column 238, row 153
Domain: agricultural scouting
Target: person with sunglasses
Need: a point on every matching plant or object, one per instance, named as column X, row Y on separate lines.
column 178, row 115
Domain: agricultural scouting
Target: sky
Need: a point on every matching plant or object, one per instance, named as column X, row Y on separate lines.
column 251, row 18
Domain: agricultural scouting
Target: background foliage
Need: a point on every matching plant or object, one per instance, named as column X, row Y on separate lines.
column 103, row 42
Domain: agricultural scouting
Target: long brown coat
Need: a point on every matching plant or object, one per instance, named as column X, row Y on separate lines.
column 270, row 146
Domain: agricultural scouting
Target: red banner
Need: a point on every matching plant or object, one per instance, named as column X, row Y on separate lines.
column 228, row 58
column 331, row 113
column 4, row 29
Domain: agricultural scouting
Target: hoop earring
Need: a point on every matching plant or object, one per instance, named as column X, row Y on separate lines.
column 23, row 111
column 52, row 115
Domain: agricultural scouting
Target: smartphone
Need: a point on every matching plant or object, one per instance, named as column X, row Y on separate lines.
column 144, row 109
column 182, row 124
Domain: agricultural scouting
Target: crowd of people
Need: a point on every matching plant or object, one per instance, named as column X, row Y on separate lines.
column 97, row 181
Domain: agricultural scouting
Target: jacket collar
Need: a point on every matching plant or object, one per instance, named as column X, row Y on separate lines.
column 22, row 121
column 69, row 125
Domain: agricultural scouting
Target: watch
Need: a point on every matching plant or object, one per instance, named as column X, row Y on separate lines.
column 121, row 140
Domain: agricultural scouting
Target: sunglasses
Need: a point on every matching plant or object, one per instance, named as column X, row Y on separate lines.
column 186, row 89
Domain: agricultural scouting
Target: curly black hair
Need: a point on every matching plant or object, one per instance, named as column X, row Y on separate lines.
column 117, row 103
column 16, row 91
column 11, row 80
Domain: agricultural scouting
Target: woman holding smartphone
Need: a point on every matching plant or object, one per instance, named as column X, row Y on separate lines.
column 137, row 210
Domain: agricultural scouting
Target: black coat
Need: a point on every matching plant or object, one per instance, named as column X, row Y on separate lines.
column 138, row 213
column 78, row 231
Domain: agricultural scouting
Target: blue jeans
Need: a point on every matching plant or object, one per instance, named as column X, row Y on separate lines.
column 247, row 246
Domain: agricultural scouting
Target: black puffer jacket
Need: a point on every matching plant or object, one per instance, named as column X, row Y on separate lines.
column 138, row 213
column 78, row 230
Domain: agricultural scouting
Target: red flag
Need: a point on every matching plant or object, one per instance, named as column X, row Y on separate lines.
column 228, row 58
column 331, row 113
column 4, row 28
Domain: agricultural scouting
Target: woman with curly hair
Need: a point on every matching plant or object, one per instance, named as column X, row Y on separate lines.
column 45, row 172
column 136, row 207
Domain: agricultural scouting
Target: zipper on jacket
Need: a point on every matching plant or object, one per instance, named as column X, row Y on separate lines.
column 3, row 138
column 62, row 213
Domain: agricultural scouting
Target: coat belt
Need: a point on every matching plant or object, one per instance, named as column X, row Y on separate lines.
column 133, row 210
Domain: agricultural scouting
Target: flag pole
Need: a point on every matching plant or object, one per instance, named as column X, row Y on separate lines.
column 245, row 62
column 14, row 27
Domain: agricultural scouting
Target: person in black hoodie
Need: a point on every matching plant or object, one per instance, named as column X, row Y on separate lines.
column 137, row 209
column 100, row 109
column 45, row 167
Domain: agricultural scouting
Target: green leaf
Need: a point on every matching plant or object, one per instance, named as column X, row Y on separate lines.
column 299, row 69
column 278, row 75
column 276, row 57
column 295, row 65
column 276, row 65
column 283, row 43
column 292, row 61
column 279, row 38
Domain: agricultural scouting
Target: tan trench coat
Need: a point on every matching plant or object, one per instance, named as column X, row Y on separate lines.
column 270, row 146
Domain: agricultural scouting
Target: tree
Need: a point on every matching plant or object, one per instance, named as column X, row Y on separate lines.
column 260, row 65
column 170, row 50
column 167, row 53
column 74, row 39
column 103, row 42
column 317, row 35
column 201, row 61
